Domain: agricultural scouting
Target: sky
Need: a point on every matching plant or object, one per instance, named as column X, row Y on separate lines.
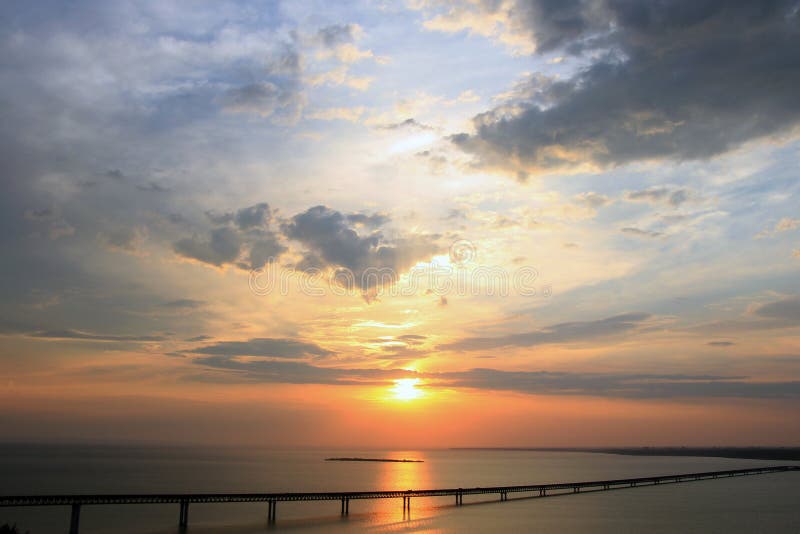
column 400, row 224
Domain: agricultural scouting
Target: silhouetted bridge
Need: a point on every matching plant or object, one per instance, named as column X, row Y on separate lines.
column 541, row 490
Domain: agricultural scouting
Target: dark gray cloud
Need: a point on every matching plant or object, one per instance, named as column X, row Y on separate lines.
column 638, row 232
column 679, row 79
column 671, row 197
column 153, row 187
column 408, row 123
column 332, row 242
column 187, row 304
column 721, row 343
column 264, row 98
column 293, row 372
column 264, row 347
column 572, row 332
column 278, row 95
column 266, row 250
column 244, row 239
column 77, row 334
column 223, row 246
column 337, row 34
column 256, row 216
column 787, row 309
column 125, row 238
column 531, row 382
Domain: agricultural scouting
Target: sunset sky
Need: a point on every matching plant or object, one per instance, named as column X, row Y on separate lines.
column 582, row 218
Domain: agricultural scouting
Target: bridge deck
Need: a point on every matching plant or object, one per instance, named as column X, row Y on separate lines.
column 184, row 499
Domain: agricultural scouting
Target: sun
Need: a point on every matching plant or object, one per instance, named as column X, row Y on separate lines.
column 405, row 389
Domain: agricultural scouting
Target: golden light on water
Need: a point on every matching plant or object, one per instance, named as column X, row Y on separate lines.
column 405, row 389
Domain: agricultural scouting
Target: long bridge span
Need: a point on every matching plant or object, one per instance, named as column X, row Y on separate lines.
column 272, row 499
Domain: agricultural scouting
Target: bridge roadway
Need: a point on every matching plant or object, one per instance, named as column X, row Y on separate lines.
column 184, row 499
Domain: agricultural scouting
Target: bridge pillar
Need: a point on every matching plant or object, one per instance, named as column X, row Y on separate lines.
column 183, row 519
column 347, row 507
column 271, row 512
column 75, row 519
column 342, row 505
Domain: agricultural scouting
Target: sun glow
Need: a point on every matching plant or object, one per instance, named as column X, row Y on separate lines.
column 405, row 389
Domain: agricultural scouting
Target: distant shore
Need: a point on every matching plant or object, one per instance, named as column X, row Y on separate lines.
column 750, row 453
column 401, row 460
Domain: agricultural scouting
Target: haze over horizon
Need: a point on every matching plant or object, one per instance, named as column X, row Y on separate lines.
column 397, row 225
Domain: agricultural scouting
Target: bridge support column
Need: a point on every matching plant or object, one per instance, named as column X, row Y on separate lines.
column 342, row 506
column 183, row 518
column 347, row 507
column 271, row 511
column 406, row 505
column 75, row 519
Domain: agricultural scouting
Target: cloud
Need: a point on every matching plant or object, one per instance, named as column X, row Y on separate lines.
column 77, row 334
column 294, row 372
column 256, row 216
column 264, row 347
column 264, row 99
column 332, row 242
column 223, row 246
column 153, row 187
column 339, row 41
column 530, row 382
column 338, row 34
column 592, row 200
column 125, row 238
column 786, row 224
column 408, row 123
column 329, row 114
column 664, row 195
column 638, row 232
column 373, row 220
column 246, row 233
column 621, row 385
column 341, row 76
column 186, row 304
column 720, row 343
column 787, row 309
column 266, row 250
column 572, row 332
column 666, row 80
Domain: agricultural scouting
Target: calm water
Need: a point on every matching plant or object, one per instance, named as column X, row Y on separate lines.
column 764, row 503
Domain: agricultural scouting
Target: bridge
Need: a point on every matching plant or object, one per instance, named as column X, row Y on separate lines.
column 272, row 499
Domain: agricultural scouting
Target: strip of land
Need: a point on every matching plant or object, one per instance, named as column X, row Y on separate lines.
column 402, row 460
column 750, row 453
